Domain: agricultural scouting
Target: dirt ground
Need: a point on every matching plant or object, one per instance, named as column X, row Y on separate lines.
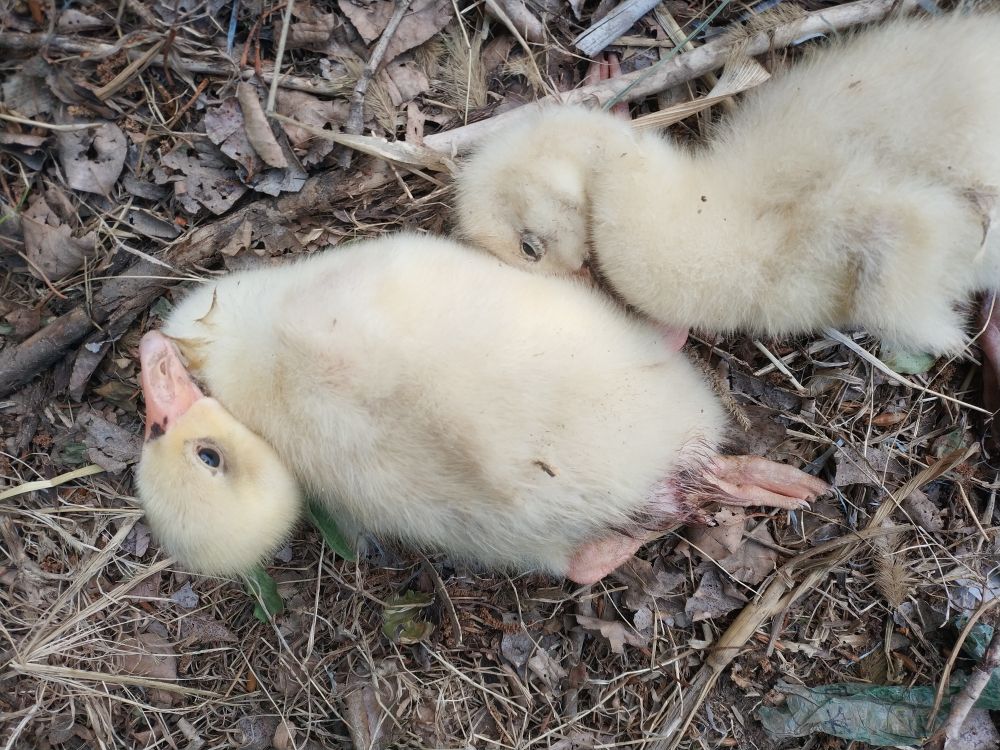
column 135, row 152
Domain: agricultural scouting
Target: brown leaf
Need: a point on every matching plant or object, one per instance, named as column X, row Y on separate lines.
column 710, row 600
column 313, row 111
column 546, row 668
column 720, row 541
column 424, row 19
column 109, row 446
column 200, row 629
column 25, row 91
column 258, row 128
column 225, row 127
column 752, row 562
column 407, row 80
column 647, row 586
column 92, row 159
column 49, row 243
column 205, row 182
column 365, row 718
column 923, row 512
column 617, row 633
column 151, row 656
column 872, row 468
column 255, row 732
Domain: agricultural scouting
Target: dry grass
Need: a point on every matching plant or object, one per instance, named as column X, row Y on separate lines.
column 104, row 646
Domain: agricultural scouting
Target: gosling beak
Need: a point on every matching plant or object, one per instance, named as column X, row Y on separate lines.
column 167, row 387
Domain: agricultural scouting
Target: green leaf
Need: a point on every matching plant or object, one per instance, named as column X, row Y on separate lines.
column 904, row 362
column 263, row 588
column 328, row 528
column 401, row 621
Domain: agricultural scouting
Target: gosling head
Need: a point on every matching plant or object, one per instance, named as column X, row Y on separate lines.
column 217, row 496
column 524, row 196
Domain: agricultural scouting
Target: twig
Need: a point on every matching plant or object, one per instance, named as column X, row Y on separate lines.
column 679, row 69
column 356, row 116
column 67, row 128
column 966, row 699
column 273, row 93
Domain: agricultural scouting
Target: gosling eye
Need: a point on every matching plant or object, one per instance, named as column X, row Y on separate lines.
column 532, row 247
column 209, row 456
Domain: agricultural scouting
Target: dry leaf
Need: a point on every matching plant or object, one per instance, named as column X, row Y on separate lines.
column 646, row 585
column 423, row 20
column 197, row 629
column 97, row 173
column 311, row 33
column 546, row 668
column 319, row 113
column 710, row 600
column 108, row 445
column 752, row 563
column 258, row 129
column 617, row 633
column 49, row 243
column 923, row 512
column 137, row 541
column 25, row 92
column 718, row 542
column 204, row 181
column 407, row 80
column 872, row 468
column 255, row 732
column 185, row 597
column 225, row 127
column 516, row 648
column 151, row 656
column 369, row 726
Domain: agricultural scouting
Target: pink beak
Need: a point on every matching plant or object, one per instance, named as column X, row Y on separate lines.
column 167, row 387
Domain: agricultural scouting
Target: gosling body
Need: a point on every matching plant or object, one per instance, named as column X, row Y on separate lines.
column 857, row 189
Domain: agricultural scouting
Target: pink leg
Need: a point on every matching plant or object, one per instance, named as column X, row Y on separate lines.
column 594, row 560
column 752, row 480
column 604, row 67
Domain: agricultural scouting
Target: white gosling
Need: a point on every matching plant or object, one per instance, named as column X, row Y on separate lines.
column 406, row 384
column 857, row 189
